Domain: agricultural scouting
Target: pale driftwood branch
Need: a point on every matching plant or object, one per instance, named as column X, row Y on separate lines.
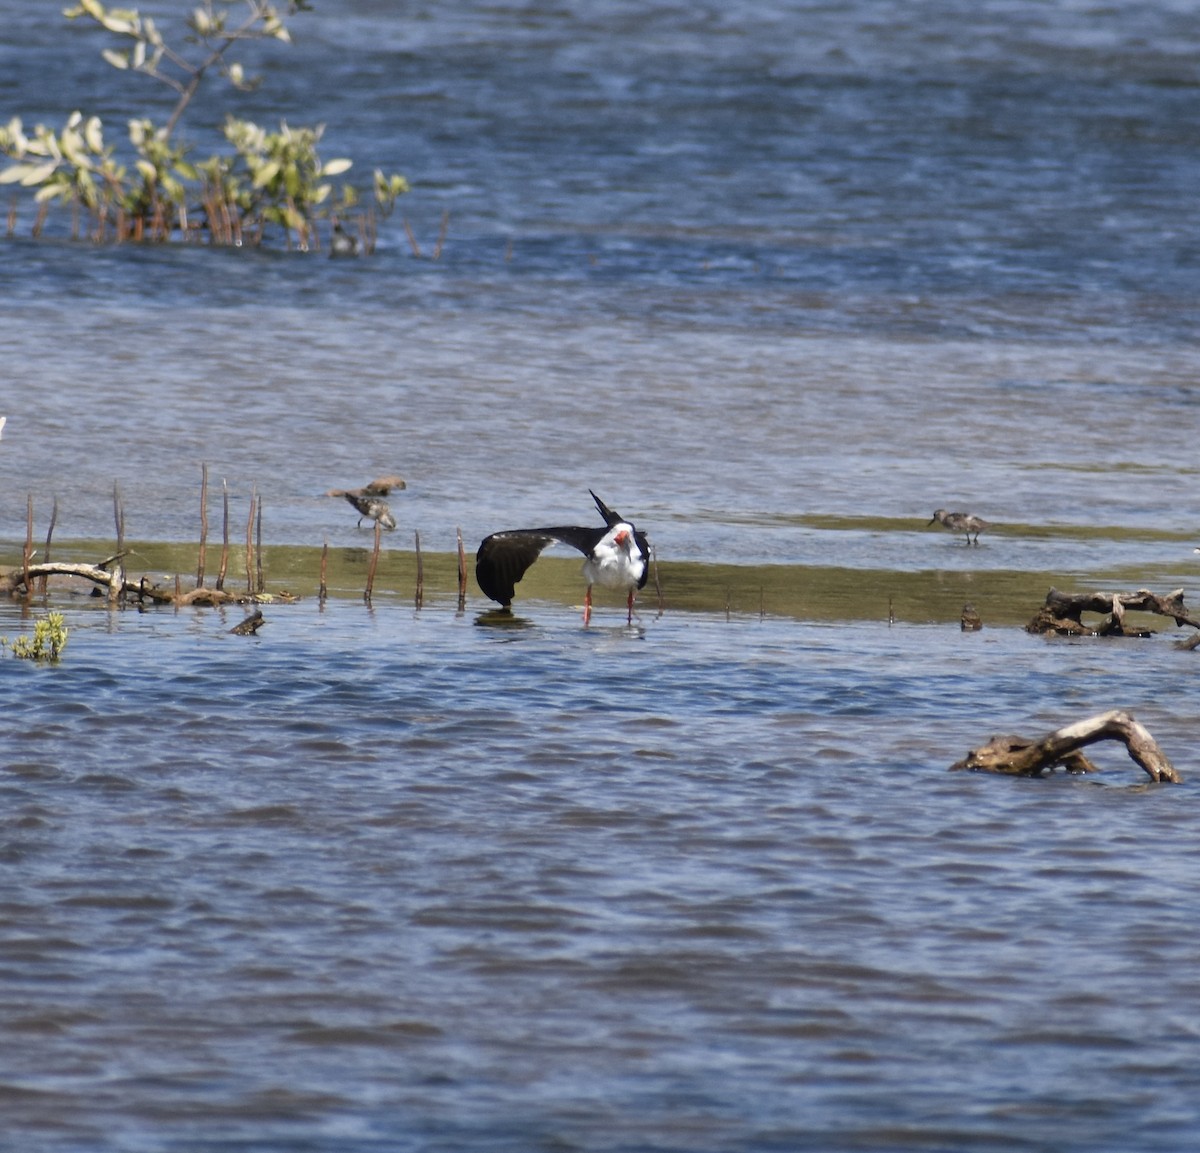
column 108, row 575
column 1020, row 756
column 1062, row 612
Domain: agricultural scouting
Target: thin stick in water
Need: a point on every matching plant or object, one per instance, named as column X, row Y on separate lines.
column 49, row 536
column 27, row 555
column 420, row 597
column 203, row 525
column 258, row 551
column 412, row 240
column 323, row 590
column 462, row 573
column 224, row 536
column 117, row 589
column 250, row 541
column 373, row 563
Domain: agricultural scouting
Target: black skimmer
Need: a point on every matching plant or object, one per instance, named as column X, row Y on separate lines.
column 964, row 522
column 368, row 500
column 617, row 557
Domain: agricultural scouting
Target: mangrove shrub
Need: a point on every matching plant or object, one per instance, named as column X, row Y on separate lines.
column 269, row 182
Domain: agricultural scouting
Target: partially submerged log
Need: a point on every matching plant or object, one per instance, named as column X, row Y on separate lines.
column 250, row 626
column 1062, row 613
column 1019, row 756
column 109, row 575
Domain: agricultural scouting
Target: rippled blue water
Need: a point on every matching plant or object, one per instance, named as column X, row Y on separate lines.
column 776, row 279
column 388, row 880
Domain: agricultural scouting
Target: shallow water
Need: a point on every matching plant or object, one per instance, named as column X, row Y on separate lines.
column 392, row 879
column 776, row 280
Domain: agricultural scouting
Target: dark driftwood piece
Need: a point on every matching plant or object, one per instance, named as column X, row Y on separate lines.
column 1062, row 612
column 250, row 625
column 1020, row 756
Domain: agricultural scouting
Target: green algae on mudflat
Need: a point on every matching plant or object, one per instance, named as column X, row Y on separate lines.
column 1002, row 597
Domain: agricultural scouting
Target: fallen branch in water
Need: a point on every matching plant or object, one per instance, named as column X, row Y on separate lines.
column 1062, row 613
column 250, row 626
column 1019, row 756
column 108, row 575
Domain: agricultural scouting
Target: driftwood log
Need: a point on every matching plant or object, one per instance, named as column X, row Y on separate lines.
column 1062, row 613
column 109, row 575
column 1019, row 756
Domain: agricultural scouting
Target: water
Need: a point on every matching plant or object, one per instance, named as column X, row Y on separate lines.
column 776, row 280
column 399, row 881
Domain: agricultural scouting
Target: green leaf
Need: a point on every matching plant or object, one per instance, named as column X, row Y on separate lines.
column 28, row 174
column 93, row 133
column 335, row 167
column 123, row 21
column 266, row 174
column 116, row 59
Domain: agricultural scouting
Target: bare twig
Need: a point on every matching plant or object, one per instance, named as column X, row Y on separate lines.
column 462, row 573
column 373, row 563
column 27, row 553
column 224, row 535
column 203, row 525
column 49, row 537
column 250, row 541
column 420, row 594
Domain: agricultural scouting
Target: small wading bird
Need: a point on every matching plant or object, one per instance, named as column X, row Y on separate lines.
column 966, row 523
column 616, row 557
column 368, row 500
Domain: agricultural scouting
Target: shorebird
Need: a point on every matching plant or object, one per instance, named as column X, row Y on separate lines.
column 368, row 500
column 341, row 243
column 966, row 523
column 616, row 557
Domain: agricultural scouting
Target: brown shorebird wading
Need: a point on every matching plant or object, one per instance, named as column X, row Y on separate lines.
column 964, row 522
column 368, row 500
